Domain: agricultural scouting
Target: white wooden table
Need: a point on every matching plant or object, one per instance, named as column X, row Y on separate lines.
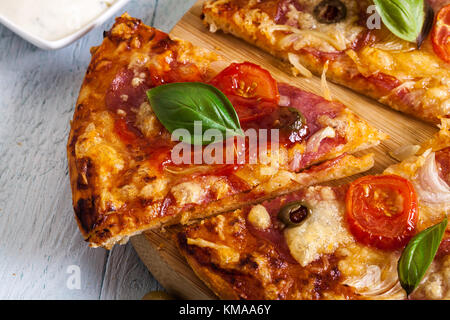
column 41, row 250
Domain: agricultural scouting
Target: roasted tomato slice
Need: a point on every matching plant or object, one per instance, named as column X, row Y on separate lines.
column 251, row 109
column 440, row 35
column 382, row 211
column 251, row 89
column 247, row 80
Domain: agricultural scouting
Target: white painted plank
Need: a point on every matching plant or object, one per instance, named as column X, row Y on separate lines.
column 168, row 12
column 126, row 277
column 39, row 239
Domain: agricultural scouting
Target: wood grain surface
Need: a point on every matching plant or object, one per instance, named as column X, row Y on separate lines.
column 157, row 249
column 39, row 238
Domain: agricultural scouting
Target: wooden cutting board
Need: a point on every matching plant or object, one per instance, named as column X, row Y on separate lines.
column 158, row 251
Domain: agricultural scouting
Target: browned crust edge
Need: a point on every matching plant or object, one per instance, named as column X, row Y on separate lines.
column 84, row 194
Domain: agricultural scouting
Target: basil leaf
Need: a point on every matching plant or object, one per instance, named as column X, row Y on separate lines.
column 427, row 24
column 418, row 256
column 404, row 18
column 179, row 105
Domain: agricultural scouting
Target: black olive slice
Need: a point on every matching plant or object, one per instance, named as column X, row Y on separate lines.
column 294, row 213
column 330, row 11
column 300, row 120
column 294, row 123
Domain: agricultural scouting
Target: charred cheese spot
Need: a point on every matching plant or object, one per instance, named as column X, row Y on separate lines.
column 263, row 268
column 85, row 212
column 85, row 170
column 97, row 144
column 259, row 217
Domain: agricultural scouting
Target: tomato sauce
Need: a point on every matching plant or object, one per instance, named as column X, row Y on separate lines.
column 128, row 91
column 286, row 275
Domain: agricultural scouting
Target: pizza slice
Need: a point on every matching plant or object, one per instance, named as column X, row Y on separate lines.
column 344, row 40
column 332, row 242
column 128, row 171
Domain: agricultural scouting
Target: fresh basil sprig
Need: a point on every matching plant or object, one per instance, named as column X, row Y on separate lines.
column 418, row 256
column 179, row 105
column 404, row 18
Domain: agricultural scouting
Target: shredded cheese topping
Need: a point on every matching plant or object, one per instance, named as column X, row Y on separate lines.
column 297, row 66
column 338, row 42
column 324, row 84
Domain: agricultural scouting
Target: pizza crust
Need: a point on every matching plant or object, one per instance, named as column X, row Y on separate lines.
column 118, row 186
column 323, row 239
column 424, row 95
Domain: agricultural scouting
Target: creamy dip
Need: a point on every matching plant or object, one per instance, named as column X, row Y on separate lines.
column 52, row 19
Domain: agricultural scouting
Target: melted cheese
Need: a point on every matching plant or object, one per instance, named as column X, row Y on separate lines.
column 298, row 68
column 370, row 271
column 324, row 84
column 430, row 214
column 401, row 65
column 147, row 122
column 97, row 144
column 155, row 190
column 321, row 233
column 224, row 254
column 259, row 217
column 188, row 192
column 277, row 181
column 306, row 31
column 436, row 283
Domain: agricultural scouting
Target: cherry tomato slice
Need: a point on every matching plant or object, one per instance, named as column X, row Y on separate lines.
column 382, row 211
column 251, row 89
column 247, row 80
column 440, row 35
column 251, row 109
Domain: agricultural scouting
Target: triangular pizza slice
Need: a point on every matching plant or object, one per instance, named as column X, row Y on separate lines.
column 347, row 41
column 128, row 171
